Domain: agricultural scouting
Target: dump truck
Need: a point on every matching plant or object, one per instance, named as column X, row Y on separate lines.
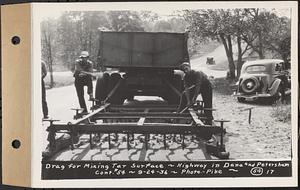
column 140, row 64
column 146, row 64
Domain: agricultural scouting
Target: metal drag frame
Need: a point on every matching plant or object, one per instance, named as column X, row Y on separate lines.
column 142, row 119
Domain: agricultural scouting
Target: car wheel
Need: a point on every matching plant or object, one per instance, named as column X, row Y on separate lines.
column 241, row 99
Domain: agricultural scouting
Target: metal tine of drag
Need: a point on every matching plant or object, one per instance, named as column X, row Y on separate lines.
column 108, row 140
column 174, row 137
column 99, row 136
column 90, row 135
column 72, row 141
column 165, row 141
column 157, row 138
column 72, row 135
column 116, row 137
column 128, row 145
column 193, row 138
column 91, row 143
column 222, row 121
column 182, row 143
column 146, row 141
column 151, row 137
column 100, row 143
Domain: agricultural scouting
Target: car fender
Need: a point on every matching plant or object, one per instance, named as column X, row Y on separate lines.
column 275, row 85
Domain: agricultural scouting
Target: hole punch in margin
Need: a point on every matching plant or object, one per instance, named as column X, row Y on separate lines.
column 15, row 40
column 16, row 144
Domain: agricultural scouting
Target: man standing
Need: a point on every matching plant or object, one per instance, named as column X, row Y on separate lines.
column 195, row 83
column 83, row 77
column 44, row 102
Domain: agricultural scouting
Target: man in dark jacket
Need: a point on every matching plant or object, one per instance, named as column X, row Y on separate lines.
column 195, row 83
column 83, row 77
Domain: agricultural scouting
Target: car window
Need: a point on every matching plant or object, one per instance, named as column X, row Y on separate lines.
column 278, row 67
column 256, row 68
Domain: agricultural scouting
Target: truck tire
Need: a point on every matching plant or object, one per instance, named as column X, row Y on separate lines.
column 101, row 91
column 118, row 96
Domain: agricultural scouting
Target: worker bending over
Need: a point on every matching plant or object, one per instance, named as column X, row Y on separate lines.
column 195, row 83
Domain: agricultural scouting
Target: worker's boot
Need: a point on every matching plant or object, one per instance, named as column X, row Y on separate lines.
column 84, row 111
column 46, row 117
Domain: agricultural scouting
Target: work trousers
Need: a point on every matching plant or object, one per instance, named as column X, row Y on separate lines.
column 44, row 102
column 80, row 82
column 206, row 94
column 284, row 85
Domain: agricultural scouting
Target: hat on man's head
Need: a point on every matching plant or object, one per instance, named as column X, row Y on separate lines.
column 184, row 64
column 84, row 54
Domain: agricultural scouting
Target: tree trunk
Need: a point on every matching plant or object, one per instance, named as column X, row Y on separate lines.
column 229, row 54
column 49, row 56
column 90, row 43
column 260, row 47
column 240, row 56
column 50, row 62
column 231, row 61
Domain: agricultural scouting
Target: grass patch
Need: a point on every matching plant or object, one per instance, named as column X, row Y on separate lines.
column 223, row 86
column 282, row 112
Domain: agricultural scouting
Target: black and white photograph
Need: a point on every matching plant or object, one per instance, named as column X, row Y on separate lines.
column 166, row 91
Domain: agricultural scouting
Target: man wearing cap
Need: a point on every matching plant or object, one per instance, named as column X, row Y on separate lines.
column 83, row 67
column 195, row 83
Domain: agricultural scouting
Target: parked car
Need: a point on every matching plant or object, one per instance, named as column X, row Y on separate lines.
column 210, row 61
column 263, row 79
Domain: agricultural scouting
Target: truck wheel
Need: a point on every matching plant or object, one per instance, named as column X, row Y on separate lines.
column 101, row 91
column 118, row 96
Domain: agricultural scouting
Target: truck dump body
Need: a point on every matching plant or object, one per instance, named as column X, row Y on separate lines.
column 142, row 49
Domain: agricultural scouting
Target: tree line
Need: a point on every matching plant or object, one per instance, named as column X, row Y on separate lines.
column 63, row 38
column 256, row 30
